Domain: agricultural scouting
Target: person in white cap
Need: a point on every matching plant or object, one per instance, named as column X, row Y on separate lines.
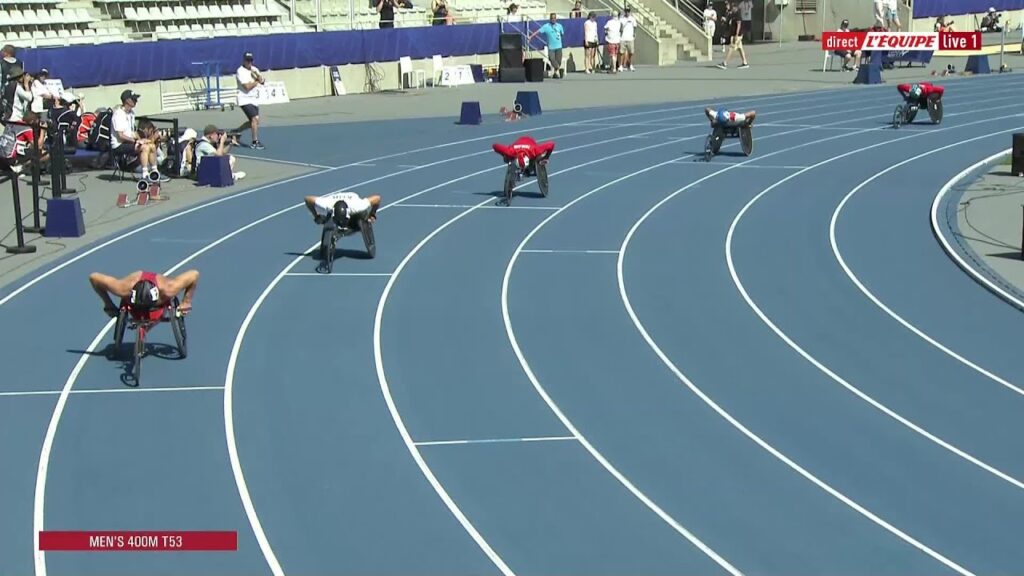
column 248, row 77
column 43, row 98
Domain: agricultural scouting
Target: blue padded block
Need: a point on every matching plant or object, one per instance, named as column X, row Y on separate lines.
column 870, row 73
column 470, row 113
column 530, row 102
column 64, row 218
column 978, row 64
column 215, row 171
column 478, row 72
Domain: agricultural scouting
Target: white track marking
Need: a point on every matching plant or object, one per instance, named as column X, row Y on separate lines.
column 464, row 206
column 348, row 274
column 240, row 336
column 569, row 251
column 736, row 423
column 289, row 162
column 814, row 361
column 937, row 230
column 853, row 277
column 495, row 441
column 111, row 390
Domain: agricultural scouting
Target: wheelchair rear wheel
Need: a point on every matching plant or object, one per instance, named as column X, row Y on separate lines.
column 510, row 182
column 746, row 140
column 368, row 240
column 935, row 110
column 542, row 178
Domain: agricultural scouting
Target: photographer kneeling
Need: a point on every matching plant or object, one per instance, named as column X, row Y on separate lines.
column 216, row 142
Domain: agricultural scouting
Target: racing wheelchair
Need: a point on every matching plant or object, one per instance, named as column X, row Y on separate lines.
column 143, row 321
column 515, row 174
column 332, row 231
column 905, row 112
column 719, row 133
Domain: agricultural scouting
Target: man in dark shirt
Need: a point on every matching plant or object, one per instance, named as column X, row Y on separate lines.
column 7, row 63
column 735, row 29
column 386, row 8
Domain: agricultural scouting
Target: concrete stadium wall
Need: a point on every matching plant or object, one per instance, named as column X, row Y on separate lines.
column 301, row 82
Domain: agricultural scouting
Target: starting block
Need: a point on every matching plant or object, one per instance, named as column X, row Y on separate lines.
column 470, row 113
column 140, row 200
column 516, row 113
column 529, row 102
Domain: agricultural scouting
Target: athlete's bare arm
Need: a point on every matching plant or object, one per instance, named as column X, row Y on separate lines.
column 105, row 285
column 187, row 282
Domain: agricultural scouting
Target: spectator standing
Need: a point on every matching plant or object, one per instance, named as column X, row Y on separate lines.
column 746, row 15
column 553, row 32
column 442, row 16
column 590, row 42
column 9, row 60
column 612, row 37
column 42, row 97
column 248, row 77
column 577, row 10
column 881, row 7
column 735, row 24
column 386, row 9
column 628, row 45
column 723, row 25
column 513, row 14
column 710, row 20
column 18, row 93
column 892, row 15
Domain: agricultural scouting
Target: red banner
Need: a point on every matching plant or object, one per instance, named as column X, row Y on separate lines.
column 132, row 541
column 900, row 41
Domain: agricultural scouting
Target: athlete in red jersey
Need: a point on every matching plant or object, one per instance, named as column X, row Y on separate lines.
column 145, row 291
column 919, row 93
column 525, row 150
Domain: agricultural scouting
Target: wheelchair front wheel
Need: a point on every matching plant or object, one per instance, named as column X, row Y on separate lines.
column 746, row 140
column 368, row 240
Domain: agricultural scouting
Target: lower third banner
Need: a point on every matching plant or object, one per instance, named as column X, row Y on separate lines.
column 149, row 541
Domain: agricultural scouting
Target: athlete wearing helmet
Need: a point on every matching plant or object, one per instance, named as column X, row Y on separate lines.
column 526, row 152
column 919, row 93
column 728, row 119
column 343, row 208
column 145, row 290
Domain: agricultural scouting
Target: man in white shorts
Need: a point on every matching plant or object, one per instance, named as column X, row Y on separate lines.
column 343, row 207
column 627, row 48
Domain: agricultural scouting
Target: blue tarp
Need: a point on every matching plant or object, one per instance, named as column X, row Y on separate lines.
column 117, row 63
column 936, row 8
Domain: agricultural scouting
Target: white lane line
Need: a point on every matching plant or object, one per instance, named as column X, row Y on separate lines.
column 495, row 441
column 424, row 468
column 937, row 229
column 727, row 416
column 814, row 361
column 289, row 162
column 464, row 206
column 111, row 390
column 369, row 274
column 569, row 251
column 860, row 285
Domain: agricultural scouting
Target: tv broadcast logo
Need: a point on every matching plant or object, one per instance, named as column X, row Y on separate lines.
column 901, row 41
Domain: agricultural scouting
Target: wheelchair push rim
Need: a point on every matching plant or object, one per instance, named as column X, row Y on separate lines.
column 368, row 240
column 746, row 140
column 510, row 182
column 935, row 110
column 327, row 245
column 897, row 117
column 178, row 327
column 542, row 178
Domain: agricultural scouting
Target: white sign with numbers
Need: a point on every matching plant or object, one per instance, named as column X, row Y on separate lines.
column 457, row 75
column 269, row 93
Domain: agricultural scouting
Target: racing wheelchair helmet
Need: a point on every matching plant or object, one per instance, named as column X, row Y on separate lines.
column 145, row 295
column 915, row 92
column 341, row 214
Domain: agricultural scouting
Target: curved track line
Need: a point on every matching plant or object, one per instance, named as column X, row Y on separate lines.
column 726, row 415
column 51, row 431
column 937, row 230
column 596, row 454
column 176, row 215
column 853, row 277
column 424, row 468
column 814, row 361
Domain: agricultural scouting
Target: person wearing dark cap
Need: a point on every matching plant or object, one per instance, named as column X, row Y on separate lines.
column 248, row 77
column 18, row 93
column 216, row 142
column 125, row 141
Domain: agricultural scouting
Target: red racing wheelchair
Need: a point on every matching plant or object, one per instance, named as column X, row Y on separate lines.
column 143, row 321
